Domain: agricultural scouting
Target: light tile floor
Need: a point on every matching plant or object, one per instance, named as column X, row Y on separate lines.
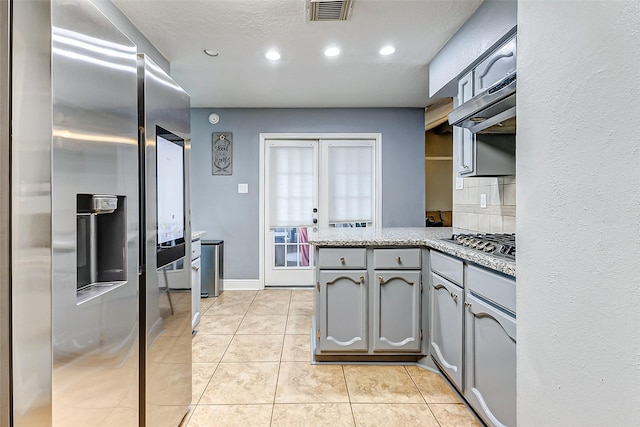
column 251, row 368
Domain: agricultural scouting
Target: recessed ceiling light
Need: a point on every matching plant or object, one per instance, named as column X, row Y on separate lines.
column 273, row 55
column 332, row 51
column 387, row 50
column 211, row 52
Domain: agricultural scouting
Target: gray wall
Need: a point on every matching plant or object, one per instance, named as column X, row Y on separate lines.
column 218, row 208
column 578, row 193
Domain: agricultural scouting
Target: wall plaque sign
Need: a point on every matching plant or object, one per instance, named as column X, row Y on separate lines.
column 222, row 153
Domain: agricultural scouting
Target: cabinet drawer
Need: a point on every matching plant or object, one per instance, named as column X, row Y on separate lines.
column 342, row 258
column 195, row 249
column 492, row 286
column 396, row 258
column 446, row 266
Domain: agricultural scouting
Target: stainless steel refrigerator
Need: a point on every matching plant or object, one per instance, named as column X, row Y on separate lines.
column 83, row 224
column 166, row 326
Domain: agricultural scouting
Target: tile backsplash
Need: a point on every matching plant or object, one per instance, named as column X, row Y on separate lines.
column 500, row 214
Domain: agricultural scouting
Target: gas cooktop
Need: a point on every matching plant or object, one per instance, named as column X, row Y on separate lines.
column 496, row 244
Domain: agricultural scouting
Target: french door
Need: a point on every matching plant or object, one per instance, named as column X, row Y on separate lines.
column 311, row 183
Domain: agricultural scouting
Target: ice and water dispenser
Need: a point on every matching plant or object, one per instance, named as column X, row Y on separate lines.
column 101, row 233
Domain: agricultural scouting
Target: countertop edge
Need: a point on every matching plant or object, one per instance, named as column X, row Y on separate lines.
column 404, row 238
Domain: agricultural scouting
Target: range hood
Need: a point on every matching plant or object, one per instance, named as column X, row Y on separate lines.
column 491, row 111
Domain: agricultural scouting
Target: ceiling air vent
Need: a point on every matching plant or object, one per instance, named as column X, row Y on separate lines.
column 329, row 10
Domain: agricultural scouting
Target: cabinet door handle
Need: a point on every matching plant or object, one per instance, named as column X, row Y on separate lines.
column 195, row 268
column 399, row 260
column 467, row 304
column 342, row 261
column 381, row 280
column 454, row 296
column 361, row 279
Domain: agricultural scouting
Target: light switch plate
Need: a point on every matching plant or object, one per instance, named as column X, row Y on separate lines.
column 243, row 188
column 459, row 183
column 483, row 200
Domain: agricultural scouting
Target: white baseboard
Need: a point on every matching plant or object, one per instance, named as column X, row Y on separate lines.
column 241, row 285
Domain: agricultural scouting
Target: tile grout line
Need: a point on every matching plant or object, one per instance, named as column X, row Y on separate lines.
column 275, row 392
column 346, row 385
column 422, row 395
column 219, row 361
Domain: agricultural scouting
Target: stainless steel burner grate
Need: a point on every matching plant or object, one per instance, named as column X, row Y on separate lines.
column 496, row 244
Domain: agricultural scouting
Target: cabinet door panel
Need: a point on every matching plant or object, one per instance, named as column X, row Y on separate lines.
column 490, row 363
column 446, row 327
column 495, row 67
column 463, row 138
column 343, row 311
column 396, row 315
column 465, row 88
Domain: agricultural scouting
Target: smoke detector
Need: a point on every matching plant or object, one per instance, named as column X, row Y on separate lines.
column 329, row 10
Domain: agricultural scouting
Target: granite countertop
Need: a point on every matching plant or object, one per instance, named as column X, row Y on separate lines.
column 410, row 236
column 195, row 235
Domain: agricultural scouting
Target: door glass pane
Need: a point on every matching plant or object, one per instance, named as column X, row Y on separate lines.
column 291, row 247
column 292, row 255
column 279, row 235
column 278, row 251
column 291, row 186
column 350, row 184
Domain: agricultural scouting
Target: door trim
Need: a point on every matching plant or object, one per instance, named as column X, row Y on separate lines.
column 326, row 136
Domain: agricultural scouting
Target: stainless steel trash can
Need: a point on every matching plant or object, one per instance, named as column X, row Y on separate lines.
column 212, row 268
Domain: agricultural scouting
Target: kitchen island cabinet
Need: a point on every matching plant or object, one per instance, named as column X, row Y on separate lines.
column 374, row 311
column 378, row 310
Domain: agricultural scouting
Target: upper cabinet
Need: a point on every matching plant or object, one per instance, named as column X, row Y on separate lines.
column 495, row 67
column 492, row 151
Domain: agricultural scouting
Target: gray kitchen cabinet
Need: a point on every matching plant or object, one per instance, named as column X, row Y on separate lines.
column 463, row 138
column 483, row 154
column 495, row 67
column 369, row 302
column 490, row 362
column 490, row 345
column 397, row 290
column 446, row 326
column 342, row 311
column 396, row 311
column 446, row 297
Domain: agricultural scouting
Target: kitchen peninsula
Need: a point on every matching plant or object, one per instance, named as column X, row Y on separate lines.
column 404, row 294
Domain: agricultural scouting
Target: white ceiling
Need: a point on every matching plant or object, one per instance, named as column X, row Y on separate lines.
column 243, row 30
